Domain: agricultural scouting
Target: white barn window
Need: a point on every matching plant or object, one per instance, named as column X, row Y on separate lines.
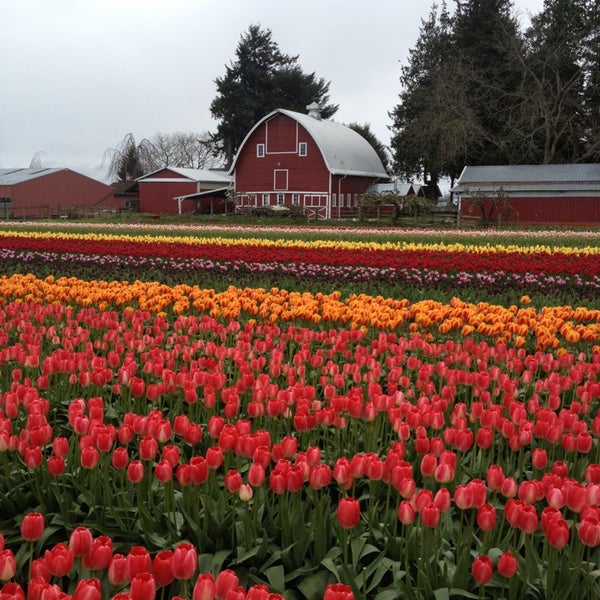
column 302, row 149
column 266, row 199
column 260, row 150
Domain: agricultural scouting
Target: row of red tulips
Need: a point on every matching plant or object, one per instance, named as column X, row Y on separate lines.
column 443, row 260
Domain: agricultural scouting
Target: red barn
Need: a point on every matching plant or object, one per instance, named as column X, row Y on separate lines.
column 563, row 194
column 38, row 192
column 174, row 190
column 300, row 160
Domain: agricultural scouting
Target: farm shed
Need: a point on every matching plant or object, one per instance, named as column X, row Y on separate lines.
column 38, row 192
column 302, row 161
column 562, row 194
column 174, row 190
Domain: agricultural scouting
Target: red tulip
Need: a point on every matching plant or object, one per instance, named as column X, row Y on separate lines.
column 589, row 531
column 539, row 458
column 100, row 554
column 163, row 471
column 143, row 587
column 233, row 481
column 338, row 591
column 162, row 567
column 185, row 561
column 8, row 565
column 80, row 541
column 138, row 561
column 12, row 591
column 117, row 570
column 430, row 515
column 32, row 526
column 148, row 448
column 348, row 512
column 120, row 458
column 59, row 560
column 204, row 588
column 482, row 569
column 60, row 446
column 406, row 512
column 39, row 568
column 89, row 457
column 88, row 589
column 443, row 499
column 486, row 517
column 135, row 471
column 214, row 457
column 495, row 478
column 558, row 533
column 507, row 564
column 226, row 580
column 429, row 464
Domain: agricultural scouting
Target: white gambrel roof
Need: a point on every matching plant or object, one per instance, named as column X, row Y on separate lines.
column 344, row 151
column 562, row 178
column 196, row 175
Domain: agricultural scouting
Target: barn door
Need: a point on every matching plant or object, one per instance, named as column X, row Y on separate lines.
column 315, row 206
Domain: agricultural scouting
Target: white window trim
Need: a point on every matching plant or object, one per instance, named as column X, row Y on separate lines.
column 266, row 199
column 280, row 199
column 302, row 149
column 260, row 150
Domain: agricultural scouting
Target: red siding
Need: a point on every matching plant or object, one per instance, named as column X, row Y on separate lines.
column 305, row 173
column 56, row 193
column 158, row 196
column 542, row 211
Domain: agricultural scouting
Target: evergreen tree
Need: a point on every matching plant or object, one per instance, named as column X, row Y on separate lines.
column 260, row 80
column 485, row 38
column 420, row 121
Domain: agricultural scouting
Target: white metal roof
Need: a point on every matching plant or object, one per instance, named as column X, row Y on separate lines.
column 197, row 175
column 393, row 187
column 530, row 178
column 344, row 151
column 14, row 176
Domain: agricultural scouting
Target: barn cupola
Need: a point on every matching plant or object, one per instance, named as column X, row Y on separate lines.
column 314, row 110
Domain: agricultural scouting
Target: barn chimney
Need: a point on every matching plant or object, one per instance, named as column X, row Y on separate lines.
column 314, row 110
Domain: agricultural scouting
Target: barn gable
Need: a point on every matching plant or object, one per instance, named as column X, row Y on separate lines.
column 300, row 161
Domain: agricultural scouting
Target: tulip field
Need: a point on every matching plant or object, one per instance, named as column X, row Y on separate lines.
column 312, row 413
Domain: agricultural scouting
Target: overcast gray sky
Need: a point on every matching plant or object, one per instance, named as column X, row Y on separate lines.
column 76, row 76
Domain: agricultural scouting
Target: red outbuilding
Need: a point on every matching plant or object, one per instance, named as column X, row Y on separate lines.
column 174, row 190
column 296, row 160
column 38, row 192
column 561, row 194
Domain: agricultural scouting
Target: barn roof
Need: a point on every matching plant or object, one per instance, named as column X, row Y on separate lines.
column 203, row 175
column 530, row 178
column 344, row 151
column 393, row 187
column 15, row 176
